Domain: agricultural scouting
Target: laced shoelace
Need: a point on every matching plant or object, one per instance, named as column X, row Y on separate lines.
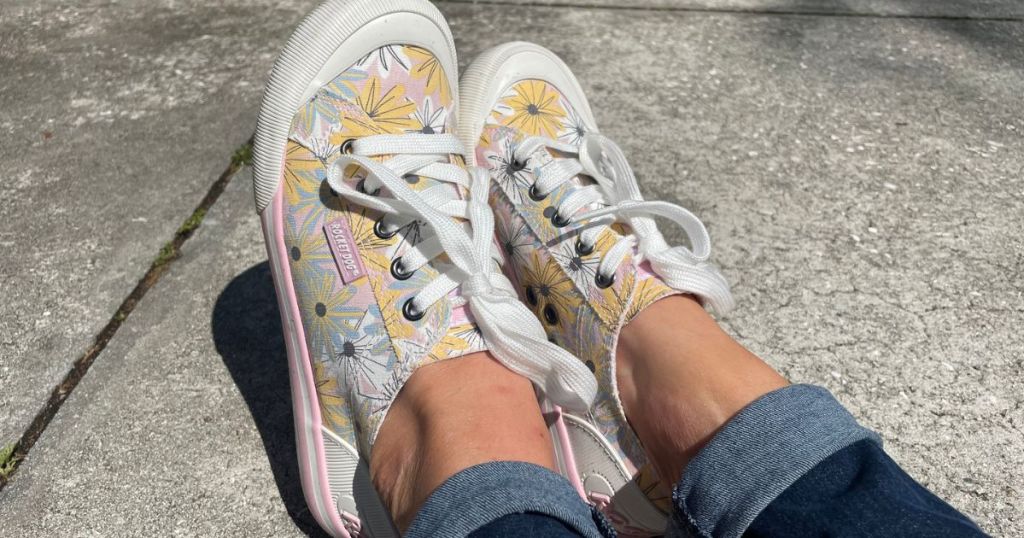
column 463, row 229
column 616, row 196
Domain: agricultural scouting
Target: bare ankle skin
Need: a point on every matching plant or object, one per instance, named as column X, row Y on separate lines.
column 681, row 378
column 450, row 416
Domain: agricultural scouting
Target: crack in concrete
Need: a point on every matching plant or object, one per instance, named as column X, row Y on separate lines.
column 160, row 265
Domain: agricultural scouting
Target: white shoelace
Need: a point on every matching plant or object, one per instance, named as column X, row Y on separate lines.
column 464, row 230
column 616, row 196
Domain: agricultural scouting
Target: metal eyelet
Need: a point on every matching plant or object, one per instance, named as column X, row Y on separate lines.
column 534, row 195
column 361, row 187
column 550, row 316
column 558, row 221
column 379, row 231
column 531, row 296
column 398, row 270
column 410, row 312
column 346, row 146
column 583, row 249
column 603, row 281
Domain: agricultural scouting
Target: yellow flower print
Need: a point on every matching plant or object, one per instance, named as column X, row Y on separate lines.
column 300, row 172
column 458, row 160
column 376, row 259
column 485, row 137
column 426, row 66
column 648, row 290
column 390, row 310
column 354, row 124
column 328, row 393
column 448, row 346
column 621, row 228
column 610, row 302
column 310, row 253
column 651, row 485
column 470, row 334
column 613, row 300
column 549, row 292
column 325, row 310
column 538, row 216
column 389, row 111
column 535, row 109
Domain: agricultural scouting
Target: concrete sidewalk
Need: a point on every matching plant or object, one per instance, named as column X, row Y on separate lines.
column 858, row 165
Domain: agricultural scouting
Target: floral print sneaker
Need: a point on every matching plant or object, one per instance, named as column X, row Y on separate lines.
column 583, row 251
column 380, row 241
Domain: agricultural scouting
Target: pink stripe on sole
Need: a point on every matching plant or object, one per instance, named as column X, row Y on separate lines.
column 305, row 424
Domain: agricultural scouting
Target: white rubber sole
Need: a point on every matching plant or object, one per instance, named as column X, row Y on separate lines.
column 495, row 70
column 330, row 39
column 335, row 478
column 591, row 464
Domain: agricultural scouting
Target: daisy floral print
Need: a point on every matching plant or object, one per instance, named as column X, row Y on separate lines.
column 361, row 347
column 552, row 275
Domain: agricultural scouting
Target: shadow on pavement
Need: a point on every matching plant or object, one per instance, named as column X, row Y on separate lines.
column 247, row 333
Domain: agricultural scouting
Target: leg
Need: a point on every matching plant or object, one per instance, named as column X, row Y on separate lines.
column 523, row 525
column 423, row 441
column 833, row 497
column 745, row 442
column 469, row 427
column 690, row 371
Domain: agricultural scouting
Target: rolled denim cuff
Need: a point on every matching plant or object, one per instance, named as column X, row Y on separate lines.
column 484, row 493
column 762, row 451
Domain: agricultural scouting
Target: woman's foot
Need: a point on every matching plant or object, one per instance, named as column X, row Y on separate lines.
column 379, row 238
column 681, row 381
column 557, row 186
column 450, row 416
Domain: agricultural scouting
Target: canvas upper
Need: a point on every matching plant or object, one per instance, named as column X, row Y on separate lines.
column 361, row 347
column 352, row 246
column 556, row 275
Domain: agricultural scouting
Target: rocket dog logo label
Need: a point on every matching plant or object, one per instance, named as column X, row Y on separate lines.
column 343, row 247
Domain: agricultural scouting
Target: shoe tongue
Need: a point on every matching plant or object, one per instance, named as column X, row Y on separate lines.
column 422, row 183
column 544, row 155
column 325, row 140
column 419, row 183
column 463, row 336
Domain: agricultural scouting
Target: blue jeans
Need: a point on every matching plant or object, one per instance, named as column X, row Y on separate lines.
column 792, row 463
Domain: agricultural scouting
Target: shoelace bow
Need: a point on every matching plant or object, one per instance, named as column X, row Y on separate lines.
column 463, row 229
column 616, row 196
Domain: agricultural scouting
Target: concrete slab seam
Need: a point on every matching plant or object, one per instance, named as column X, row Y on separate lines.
column 14, row 454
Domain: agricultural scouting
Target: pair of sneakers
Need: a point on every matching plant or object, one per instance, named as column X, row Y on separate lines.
column 410, row 218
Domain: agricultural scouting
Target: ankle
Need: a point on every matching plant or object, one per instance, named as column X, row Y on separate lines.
column 450, row 416
column 644, row 339
column 681, row 381
column 396, row 463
